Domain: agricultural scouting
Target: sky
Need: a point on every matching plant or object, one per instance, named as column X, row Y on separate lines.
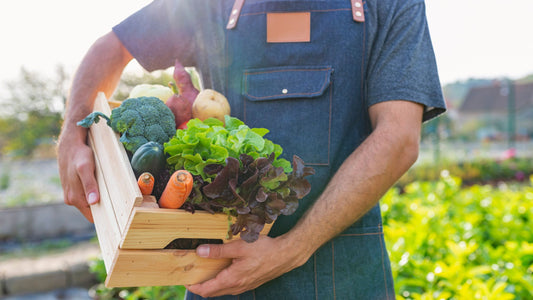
column 471, row 38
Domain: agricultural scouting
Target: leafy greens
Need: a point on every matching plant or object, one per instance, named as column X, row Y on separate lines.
column 210, row 142
column 237, row 171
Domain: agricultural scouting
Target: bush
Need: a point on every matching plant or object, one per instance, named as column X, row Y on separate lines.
column 448, row 242
column 476, row 171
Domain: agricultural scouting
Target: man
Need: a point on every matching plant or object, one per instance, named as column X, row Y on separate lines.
column 345, row 85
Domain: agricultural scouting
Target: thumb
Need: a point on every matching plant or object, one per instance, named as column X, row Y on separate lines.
column 217, row 250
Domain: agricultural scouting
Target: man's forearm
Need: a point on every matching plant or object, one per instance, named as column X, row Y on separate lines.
column 100, row 70
column 357, row 186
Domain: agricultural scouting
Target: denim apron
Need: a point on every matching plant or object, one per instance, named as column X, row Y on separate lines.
column 310, row 95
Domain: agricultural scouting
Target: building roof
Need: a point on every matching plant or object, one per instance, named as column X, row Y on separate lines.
column 494, row 98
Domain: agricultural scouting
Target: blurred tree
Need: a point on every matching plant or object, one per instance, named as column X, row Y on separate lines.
column 32, row 111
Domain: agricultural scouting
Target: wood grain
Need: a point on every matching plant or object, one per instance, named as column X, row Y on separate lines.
column 118, row 174
column 162, row 267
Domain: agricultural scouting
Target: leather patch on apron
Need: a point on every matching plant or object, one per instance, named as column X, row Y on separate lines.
column 288, row 27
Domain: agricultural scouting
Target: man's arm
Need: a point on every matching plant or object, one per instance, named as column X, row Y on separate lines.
column 366, row 174
column 100, row 70
column 357, row 186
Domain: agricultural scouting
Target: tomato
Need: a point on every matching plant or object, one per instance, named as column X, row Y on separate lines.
column 183, row 125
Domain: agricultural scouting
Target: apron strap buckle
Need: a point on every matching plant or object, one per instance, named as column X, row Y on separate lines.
column 235, row 13
column 358, row 11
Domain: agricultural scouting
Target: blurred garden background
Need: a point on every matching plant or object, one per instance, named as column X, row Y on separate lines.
column 457, row 225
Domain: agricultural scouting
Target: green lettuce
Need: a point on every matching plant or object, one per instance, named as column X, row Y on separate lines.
column 210, row 142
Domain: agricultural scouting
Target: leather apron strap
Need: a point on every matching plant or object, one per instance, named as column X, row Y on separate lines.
column 235, row 13
column 358, row 12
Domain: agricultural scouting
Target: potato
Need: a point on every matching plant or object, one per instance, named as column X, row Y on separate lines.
column 210, row 104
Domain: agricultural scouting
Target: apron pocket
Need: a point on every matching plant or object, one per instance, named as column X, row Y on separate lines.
column 294, row 104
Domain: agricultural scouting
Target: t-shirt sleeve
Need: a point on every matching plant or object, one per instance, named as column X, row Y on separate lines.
column 401, row 62
column 158, row 34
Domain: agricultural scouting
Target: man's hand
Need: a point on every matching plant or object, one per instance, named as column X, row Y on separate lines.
column 76, row 171
column 99, row 71
column 253, row 264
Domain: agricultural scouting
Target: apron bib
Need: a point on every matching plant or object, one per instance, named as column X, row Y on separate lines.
column 310, row 95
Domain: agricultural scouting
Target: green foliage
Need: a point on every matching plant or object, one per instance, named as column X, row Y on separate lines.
column 31, row 114
column 5, row 179
column 448, row 242
column 475, row 171
column 21, row 137
column 99, row 291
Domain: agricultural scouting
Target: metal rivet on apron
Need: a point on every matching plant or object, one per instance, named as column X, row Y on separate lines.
column 235, row 11
column 357, row 4
column 284, row 91
column 358, row 13
column 232, row 21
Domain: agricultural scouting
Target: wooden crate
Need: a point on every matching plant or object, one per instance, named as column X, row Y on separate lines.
column 132, row 230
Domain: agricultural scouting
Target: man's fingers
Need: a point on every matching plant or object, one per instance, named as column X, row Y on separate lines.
column 80, row 186
column 86, row 174
column 229, row 250
column 222, row 284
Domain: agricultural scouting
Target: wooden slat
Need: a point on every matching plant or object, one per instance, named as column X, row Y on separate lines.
column 120, row 180
column 105, row 221
column 162, row 267
column 154, row 228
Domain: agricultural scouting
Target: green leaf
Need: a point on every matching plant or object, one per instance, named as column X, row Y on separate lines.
column 260, row 131
column 232, row 123
column 274, row 179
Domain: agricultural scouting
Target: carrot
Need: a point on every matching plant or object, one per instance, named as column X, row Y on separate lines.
column 178, row 188
column 146, row 183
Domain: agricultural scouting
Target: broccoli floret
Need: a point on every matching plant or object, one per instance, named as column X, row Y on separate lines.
column 124, row 119
column 139, row 120
column 156, row 132
column 132, row 142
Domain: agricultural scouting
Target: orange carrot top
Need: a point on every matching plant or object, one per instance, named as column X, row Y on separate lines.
column 146, row 183
column 177, row 191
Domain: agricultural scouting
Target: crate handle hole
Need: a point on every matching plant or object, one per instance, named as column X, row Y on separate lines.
column 190, row 244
